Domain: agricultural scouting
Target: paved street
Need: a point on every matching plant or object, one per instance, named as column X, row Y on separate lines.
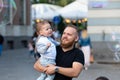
column 18, row 65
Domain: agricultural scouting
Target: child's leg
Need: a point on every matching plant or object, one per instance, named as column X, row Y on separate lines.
column 42, row 76
column 36, row 56
column 50, row 77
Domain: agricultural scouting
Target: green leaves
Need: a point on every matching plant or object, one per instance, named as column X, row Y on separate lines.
column 55, row 2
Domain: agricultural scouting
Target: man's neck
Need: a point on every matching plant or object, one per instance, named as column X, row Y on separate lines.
column 67, row 49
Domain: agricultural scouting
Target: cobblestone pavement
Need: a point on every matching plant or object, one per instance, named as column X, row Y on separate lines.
column 18, row 65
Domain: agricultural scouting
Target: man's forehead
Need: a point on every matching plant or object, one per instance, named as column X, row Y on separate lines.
column 69, row 29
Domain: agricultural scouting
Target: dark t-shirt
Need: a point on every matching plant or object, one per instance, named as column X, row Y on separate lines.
column 66, row 59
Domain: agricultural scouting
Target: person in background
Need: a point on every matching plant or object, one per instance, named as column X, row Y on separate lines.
column 102, row 78
column 56, row 34
column 46, row 47
column 30, row 47
column 69, row 59
column 86, row 47
column 36, row 54
column 1, row 43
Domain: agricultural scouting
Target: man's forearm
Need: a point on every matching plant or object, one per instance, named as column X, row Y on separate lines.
column 71, row 72
column 39, row 67
column 67, row 72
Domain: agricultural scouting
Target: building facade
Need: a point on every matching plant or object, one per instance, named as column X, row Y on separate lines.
column 15, row 23
column 103, row 18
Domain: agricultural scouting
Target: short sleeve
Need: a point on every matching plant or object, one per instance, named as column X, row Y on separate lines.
column 79, row 57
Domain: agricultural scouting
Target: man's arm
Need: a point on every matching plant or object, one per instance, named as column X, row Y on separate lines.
column 39, row 67
column 71, row 72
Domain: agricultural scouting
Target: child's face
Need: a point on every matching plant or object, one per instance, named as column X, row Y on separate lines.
column 46, row 30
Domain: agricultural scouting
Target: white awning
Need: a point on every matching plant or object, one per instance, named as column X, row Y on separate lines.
column 44, row 11
column 75, row 10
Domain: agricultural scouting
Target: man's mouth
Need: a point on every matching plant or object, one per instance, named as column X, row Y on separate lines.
column 64, row 39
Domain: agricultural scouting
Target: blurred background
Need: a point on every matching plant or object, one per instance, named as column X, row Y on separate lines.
column 18, row 17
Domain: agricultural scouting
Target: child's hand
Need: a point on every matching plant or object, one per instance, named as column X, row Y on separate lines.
column 48, row 44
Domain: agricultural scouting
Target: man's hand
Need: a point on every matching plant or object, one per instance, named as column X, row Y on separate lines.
column 50, row 69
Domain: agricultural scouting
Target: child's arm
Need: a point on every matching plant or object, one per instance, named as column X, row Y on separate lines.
column 41, row 48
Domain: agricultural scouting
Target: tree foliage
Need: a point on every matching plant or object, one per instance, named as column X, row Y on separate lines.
column 56, row 2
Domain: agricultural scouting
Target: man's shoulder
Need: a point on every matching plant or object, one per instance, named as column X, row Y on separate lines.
column 76, row 50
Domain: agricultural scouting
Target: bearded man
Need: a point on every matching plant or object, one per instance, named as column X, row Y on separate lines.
column 69, row 60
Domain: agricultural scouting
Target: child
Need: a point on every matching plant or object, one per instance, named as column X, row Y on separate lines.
column 45, row 47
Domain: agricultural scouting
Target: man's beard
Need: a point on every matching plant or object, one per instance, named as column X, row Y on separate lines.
column 67, row 45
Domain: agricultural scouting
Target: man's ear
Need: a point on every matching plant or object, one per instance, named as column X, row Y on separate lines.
column 77, row 38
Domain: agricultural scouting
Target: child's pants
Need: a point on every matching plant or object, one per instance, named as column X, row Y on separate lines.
column 44, row 76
